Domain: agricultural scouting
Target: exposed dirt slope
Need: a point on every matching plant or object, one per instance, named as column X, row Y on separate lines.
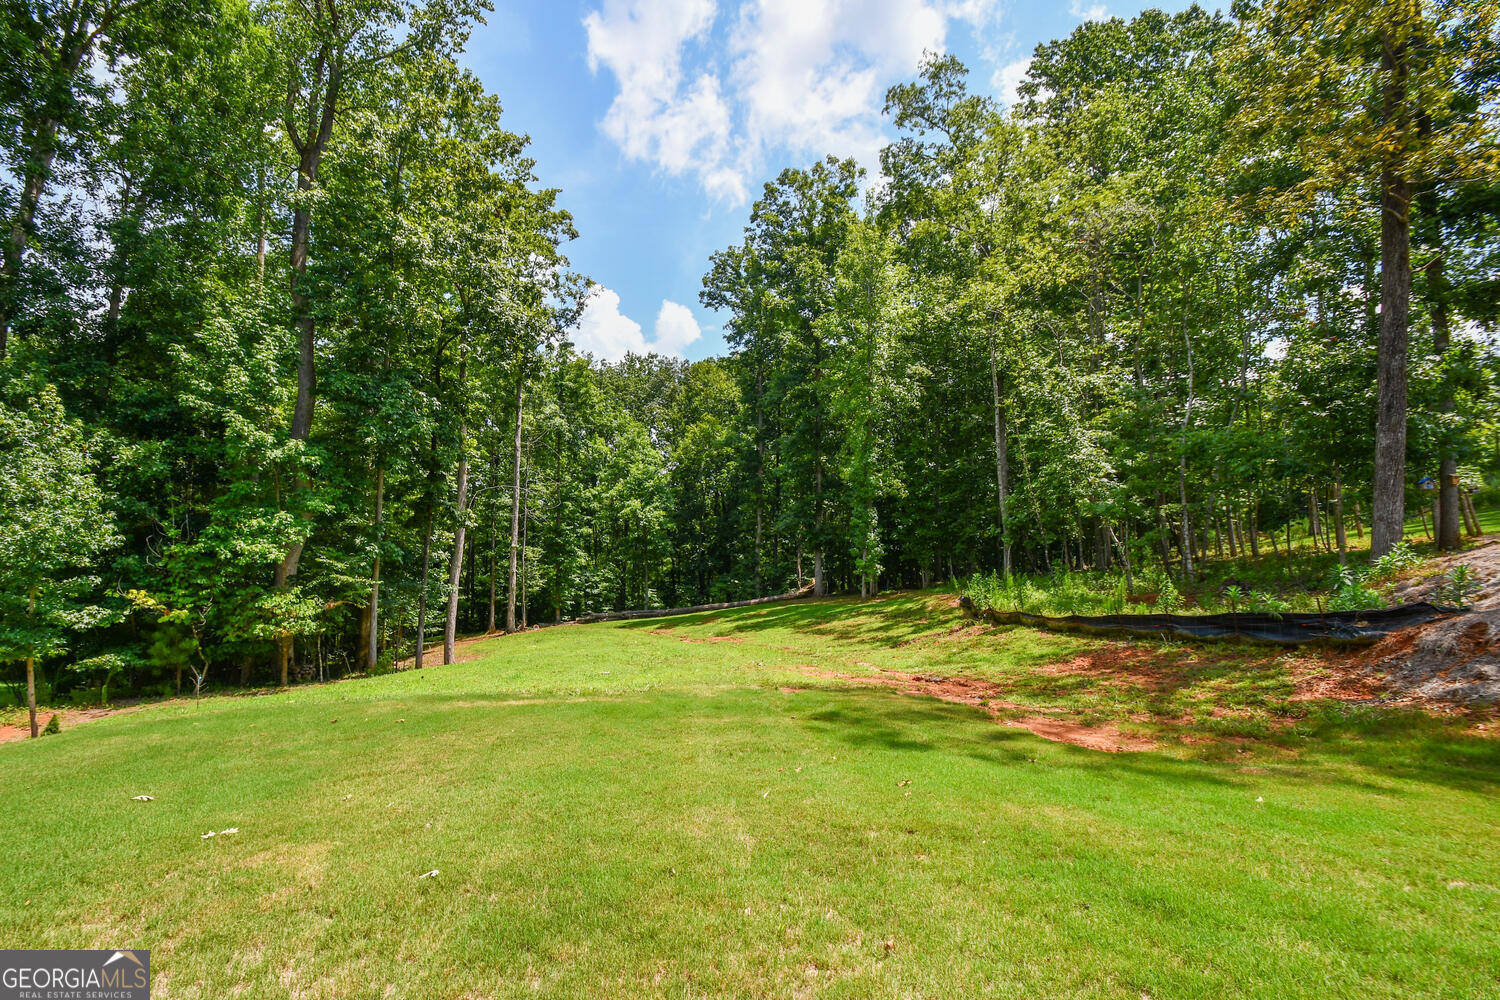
column 1456, row 660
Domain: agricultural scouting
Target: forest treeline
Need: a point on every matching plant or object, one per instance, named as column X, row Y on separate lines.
column 287, row 389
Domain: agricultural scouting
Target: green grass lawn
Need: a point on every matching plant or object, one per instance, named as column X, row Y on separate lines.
column 616, row 812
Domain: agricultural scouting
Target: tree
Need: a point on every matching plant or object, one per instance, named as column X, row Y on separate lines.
column 54, row 523
column 1375, row 90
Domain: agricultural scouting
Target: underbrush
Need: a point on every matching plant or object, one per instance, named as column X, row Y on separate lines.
column 1314, row 584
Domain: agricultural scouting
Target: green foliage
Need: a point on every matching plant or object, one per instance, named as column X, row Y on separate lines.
column 1351, row 592
column 1402, row 557
column 288, row 376
column 53, row 726
column 1458, row 585
column 54, row 525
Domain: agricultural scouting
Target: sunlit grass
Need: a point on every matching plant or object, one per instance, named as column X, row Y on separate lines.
column 712, row 806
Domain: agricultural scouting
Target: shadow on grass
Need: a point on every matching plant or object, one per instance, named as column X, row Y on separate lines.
column 1333, row 743
column 886, row 620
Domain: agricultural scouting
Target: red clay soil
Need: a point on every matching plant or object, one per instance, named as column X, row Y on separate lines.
column 70, row 717
column 1119, row 665
column 985, row 695
column 1454, row 660
column 693, row 638
column 1336, row 676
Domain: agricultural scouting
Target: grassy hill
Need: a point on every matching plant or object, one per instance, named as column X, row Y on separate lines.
column 762, row 802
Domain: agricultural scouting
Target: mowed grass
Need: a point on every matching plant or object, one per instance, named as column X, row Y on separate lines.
column 638, row 810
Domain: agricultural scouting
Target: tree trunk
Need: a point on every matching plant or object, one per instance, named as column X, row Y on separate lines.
column 422, row 595
column 362, row 654
column 1314, row 528
column 450, row 623
column 35, row 174
column 372, row 655
column 1447, row 505
column 1389, row 514
column 525, row 526
column 1186, row 523
column 31, row 668
column 1187, row 419
column 456, row 568
column 1001, row 464
column 515, row 502
column 820, row 586
column 1467, row 506
column 310, row 154
column 490, row 625
column 1338, row 515
column 260, row 227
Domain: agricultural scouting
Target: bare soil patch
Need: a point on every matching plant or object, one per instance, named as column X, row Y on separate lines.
column 987, row 696
column 1455, row 661
column 1483, row 560
column 70, row 717
column 1119, row 665
column 1106, row 738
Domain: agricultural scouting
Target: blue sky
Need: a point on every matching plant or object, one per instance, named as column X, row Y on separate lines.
column 661, row 119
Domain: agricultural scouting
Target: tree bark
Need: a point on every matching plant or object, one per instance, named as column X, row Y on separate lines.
column 31, row 669
column 372, row 655
column 494, row 469
column 820, row 586
column 310, row 155
column 525, row 526
column 1466, row 504
column 422, row 595
column 1187, row 419
column 456, row 568
column 43, row 149
column 1447, row 505
column 450, row 622
column 1338, row 515
column 515, row 501
column 1001, row 464
column 1314, row 528
column 1388, row 517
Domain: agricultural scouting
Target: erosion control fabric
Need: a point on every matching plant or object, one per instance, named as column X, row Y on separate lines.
column 1343, row 628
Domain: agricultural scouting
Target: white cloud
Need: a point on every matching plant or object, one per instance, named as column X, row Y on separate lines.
column 1008, row 78
column 800, row 78
column 676, row 328
column 609, row 334
column 657, row 116
column 1092, row 12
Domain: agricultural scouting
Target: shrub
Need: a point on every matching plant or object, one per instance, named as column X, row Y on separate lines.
column 54, row 725
column 1351, row 593
column 1401, row 557
column 1168, row 600
column 1456, row 587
